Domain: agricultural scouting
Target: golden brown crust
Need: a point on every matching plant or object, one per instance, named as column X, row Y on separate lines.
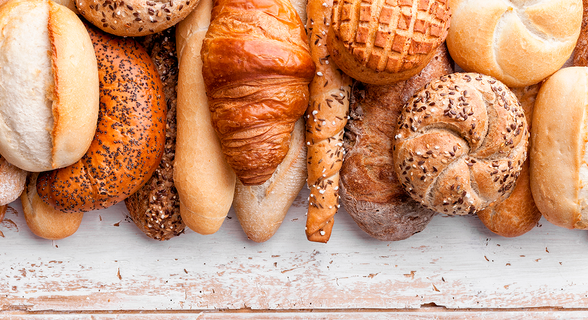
column 326, row 117
column 370, row 190
column 460, row 143
column 130, row 136
column 381, row 42
column 256, row 68
column 517, row 214
column 135, row 17
column 581, row 50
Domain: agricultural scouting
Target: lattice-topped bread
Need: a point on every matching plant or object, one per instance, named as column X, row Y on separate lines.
column 384, row 41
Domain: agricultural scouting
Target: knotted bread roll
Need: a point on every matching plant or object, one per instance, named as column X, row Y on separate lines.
column 381, row 42
column 460, row 143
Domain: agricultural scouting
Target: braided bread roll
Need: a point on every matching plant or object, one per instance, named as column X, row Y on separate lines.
column 326, row 118
column 461, row 143
column 256, row 70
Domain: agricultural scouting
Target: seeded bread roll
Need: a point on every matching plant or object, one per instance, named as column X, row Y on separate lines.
column 381, row 42
column 518, row 42
column 155, row 207
column 370, row 190
column 48, row 85
column 130, row 137
column 460, row 143
column 135, row 17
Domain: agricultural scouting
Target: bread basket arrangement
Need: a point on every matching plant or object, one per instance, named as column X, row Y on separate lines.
column 396, row 110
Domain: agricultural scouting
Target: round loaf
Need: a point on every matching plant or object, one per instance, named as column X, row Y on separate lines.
column 135, row 17
column 130, row 137
column 48, row 85
column 518, row 42
column 460, row 143
column 12, row 181
column 384, row 42
column 559, row 167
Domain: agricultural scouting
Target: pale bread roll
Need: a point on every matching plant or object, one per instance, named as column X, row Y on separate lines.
column 48, row 85
column 559, row 162
column 204, row 180
column 518, row 42
column 12, row 182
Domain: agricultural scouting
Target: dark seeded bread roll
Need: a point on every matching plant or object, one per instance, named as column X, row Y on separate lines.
column 155, row 207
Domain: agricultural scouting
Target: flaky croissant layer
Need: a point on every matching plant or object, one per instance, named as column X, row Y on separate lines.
column 256, row 68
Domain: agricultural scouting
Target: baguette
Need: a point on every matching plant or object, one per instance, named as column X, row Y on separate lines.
column 204, row 180
column 326, row 118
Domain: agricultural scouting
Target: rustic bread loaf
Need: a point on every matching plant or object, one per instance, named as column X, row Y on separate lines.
column 155, row 207
column 517, row 214
column 130, row 137
column 460, row 143
column 381, row 42
column 135, row 17
column 256, row 69
column 559, row 170
column 48, row 85
column 518, row 42
column 370, row 190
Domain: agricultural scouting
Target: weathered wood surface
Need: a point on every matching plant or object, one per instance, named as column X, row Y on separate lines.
column 455, row 264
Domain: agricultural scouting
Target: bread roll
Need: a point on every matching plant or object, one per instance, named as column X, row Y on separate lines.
column 12, row 181
column 370, row 190
column 381, row 42
column 42, row 219
column 559, row 169
column 204, row 180
column 581, row 50
column 460, row 143
column 130, row 137
column 256, row 69
column 261, row 209
column 48, row 85
column 135, row 17
column 518, row 42
column 517, row 214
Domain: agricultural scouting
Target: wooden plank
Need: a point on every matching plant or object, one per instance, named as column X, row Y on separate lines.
column 455, row 263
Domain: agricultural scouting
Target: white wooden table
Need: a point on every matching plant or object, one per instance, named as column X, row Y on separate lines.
column 454, row 269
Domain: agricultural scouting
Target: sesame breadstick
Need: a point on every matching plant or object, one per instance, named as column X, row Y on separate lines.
column 326, row 117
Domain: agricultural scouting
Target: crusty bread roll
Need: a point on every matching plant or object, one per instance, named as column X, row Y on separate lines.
column 460, row 144
column 381, row 42
column 256, row 69
column 518, row 42
column 581, row 50
column 517, row 214
column 370, row 190
column 326, row 117
column 48, row 85
column 261, row 209
column 43, row 220
column 130, row 136
column 12, row 182
column 135, row 17
column 204, row 180
column 559, row 168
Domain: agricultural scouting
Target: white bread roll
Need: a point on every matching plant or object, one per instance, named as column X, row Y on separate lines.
column 48, row 102
column 204, row 180
column 559, row 161
column 518, row 42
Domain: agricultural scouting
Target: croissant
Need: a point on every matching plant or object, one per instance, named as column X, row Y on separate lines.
column 256, row 70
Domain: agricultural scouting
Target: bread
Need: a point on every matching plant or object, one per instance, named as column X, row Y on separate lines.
column 517, row 214
column 370, row 190
column 130, row 136
column 460, row 143
column 135, row 17
column 581, row 50
column 12, row 181
column 326, row 117
column 518, row 42
column 384, row 42
column 48, row 85
column 256, row 70
column 559, row 172
column 42, row 219
column 261, row 209
column 204, row 180
column 155, row 207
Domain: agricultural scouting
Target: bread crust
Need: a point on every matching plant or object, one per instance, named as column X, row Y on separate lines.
column 12, row 182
